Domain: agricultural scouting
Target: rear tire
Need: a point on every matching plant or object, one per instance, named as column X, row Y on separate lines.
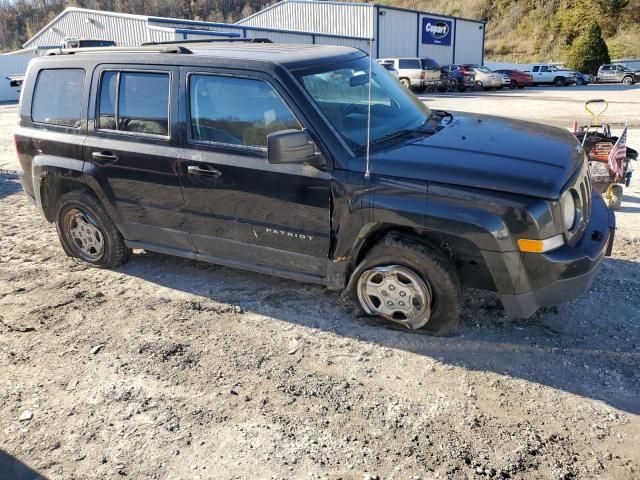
column 420, row 269
column 87, row 232
column 513, row 85
column 616, row 197
column 559, row 82
column 406, row 83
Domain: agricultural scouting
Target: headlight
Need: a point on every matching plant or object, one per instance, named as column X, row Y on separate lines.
column 568, row 206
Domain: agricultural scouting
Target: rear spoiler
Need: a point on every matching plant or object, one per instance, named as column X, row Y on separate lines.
column 16, row 80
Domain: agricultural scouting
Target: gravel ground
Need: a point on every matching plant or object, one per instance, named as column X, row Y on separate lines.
column 172, row 369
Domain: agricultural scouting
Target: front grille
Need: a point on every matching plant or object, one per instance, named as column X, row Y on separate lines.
column 581, row 190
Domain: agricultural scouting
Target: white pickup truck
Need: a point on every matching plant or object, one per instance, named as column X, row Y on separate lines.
column 551, row 74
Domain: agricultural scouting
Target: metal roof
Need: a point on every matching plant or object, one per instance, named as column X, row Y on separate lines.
column 352, row 4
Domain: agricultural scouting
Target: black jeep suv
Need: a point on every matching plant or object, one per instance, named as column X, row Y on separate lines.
column 255, row 156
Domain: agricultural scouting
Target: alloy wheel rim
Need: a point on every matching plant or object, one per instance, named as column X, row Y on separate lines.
column 85, row 235
column 397, row 294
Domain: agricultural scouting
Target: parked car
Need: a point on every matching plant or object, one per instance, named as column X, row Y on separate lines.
column 583, row 78
column 259, row 158
column 506, row 80
column 518, row 79
column 389, row 67
column 551, row 75
column 411, row 73
column 617, row 73
column 485, row 78
column 465, row 78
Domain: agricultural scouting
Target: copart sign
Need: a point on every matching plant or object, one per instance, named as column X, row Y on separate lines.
column 436, row 31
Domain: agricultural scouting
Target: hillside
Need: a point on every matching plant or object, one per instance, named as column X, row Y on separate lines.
column 518, row 30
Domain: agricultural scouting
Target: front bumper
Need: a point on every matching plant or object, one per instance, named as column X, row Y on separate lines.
column 563, row 274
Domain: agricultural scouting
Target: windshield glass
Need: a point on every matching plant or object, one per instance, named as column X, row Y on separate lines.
column 483, row 69
column 341, row 92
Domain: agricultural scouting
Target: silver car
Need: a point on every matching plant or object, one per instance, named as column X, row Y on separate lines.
column 485, row 77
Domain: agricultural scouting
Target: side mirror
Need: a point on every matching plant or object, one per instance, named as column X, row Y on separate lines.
column 290, row 146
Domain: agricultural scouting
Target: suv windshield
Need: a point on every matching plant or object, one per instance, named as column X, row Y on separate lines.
column 342, row 91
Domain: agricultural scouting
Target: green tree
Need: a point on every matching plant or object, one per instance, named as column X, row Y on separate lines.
column 589, row 51
column 612, row 7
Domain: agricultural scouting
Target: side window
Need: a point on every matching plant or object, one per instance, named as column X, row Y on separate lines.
column 407, row 63
column 134, row 102
column 236, row 111
column 536, row 69
column 545, row 69
column 57, row 99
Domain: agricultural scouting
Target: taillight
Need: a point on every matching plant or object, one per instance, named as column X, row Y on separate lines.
column 422, row 75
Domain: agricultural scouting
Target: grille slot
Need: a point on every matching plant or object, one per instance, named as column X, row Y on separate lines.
column 582, row 192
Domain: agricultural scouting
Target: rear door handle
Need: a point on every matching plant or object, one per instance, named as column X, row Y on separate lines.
column 209, row 172
column 106, row 157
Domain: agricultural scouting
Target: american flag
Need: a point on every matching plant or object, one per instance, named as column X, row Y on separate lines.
column 618, row 154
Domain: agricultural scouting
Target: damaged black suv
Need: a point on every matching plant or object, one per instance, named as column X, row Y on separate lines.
column 273, row 159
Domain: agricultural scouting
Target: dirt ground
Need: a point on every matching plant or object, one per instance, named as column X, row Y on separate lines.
column 173, row 369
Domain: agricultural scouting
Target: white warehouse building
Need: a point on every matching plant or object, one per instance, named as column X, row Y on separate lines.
column 393, row 32
column 397, row 32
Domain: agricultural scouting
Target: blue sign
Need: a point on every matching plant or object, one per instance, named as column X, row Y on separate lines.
column 436, row 31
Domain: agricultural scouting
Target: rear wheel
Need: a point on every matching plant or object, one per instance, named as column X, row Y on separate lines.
column 615, row 202
column 406, row 83
column 86, row 231
column 403, row 281
column 559, row 82
column 513, row 84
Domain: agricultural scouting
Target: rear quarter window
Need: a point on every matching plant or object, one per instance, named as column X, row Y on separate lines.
column 57, row 97
column 407, row 63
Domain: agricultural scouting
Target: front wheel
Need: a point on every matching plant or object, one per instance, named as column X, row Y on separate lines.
column 627, row 81
column 86, row 231
column 559, row 82
column 513, row 85
column 403, row 281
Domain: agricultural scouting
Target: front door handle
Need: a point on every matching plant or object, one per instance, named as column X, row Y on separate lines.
column 106, row 157
column 209, row 172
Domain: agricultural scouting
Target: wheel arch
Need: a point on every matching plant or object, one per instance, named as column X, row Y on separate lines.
column 466, row 256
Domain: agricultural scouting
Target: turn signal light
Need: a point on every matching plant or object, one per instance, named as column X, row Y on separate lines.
column 540, row 246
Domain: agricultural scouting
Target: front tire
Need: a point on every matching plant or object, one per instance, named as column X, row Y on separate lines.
column 87, row 232
column 559, row 82
column 403, row 281
column 627, row 80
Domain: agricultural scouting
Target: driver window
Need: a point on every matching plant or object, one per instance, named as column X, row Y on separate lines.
column 544, row 69
column 236, row 111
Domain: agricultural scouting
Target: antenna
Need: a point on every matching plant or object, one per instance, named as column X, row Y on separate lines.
column 367, row 170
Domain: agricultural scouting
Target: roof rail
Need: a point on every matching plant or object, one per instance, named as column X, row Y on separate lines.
column 150, row 49
column 210, row 40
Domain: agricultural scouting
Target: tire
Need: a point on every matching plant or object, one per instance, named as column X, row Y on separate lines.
column 396, row 256
column 513, row 85
column 462, row 88
column 520, row 87
column 628, row 80
column 478, row 86
column 559, row 82
column 86, row 231
column 406, row 83
column 616, row 197
column 580, row 81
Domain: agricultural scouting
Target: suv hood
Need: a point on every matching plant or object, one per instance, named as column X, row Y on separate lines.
column 488, row 152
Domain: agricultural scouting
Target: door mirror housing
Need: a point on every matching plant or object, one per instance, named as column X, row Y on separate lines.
column 291, row 146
